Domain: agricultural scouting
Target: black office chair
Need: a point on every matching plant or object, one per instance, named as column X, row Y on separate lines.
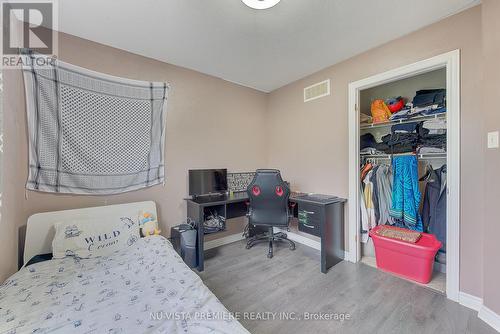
column 268, row 206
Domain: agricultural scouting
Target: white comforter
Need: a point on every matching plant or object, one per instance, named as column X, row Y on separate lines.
column 143, row 289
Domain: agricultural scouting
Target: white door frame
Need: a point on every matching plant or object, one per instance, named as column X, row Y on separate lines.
column 450, row 61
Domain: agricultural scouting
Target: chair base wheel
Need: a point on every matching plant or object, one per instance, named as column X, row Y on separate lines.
column 271, row 238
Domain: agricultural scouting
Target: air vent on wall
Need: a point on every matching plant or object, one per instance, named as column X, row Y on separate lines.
column 317, row 90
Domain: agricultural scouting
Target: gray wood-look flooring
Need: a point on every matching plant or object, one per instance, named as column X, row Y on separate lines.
column 377, row 302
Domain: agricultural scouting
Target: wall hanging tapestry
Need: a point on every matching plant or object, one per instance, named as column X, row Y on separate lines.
column 239, row 181
column 91, row 133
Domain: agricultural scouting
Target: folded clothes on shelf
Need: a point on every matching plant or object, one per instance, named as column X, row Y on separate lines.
column 405, row 127
column 430, row 150
column 404, row 113
column 435, row 126
column 426, row 109
column 368, row 145
column 433, row 141
column 365, row 119
column 429, row 97
column 430, row 135
column 400, row 142
column 400, row 148
column 400, row 139
column 370, row 151
column 367, row 140
column 413, row 112
column 431, row 111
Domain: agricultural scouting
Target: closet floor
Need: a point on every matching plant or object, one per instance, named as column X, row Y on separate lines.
column 438, row 282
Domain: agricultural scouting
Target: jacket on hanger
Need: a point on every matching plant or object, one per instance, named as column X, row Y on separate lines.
column 434, row 210
column 363, row 215
column 384, row 192
column 375, row 193
column 368, row 199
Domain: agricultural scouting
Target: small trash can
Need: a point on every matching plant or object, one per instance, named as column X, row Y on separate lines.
column 184, row 238
column 414, row 261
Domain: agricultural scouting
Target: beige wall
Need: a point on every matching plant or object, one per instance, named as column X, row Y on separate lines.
column 208, row 124
column 491, row 113
column 309, row 141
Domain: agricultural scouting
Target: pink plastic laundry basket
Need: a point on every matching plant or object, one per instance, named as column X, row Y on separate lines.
column 413, row 261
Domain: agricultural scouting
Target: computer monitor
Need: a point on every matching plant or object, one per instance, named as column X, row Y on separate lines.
column 207, row 181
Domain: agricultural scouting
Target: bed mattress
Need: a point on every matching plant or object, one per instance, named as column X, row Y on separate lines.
column 142, row 289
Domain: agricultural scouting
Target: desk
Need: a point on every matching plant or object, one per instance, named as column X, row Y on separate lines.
column 323, row 218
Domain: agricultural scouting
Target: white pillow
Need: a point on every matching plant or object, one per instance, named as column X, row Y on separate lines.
column 87, row 238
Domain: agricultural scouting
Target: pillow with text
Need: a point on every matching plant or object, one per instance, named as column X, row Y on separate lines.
column 86, row 238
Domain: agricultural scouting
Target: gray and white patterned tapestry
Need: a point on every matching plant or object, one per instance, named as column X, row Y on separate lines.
column 91, row 133
column 239, row 181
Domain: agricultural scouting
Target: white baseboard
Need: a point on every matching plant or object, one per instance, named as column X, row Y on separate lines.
column 484, row 313
column 490, row 317
column 237, row 237
column 292, row 236
column 223, row 241
column 470, row 301
column 314, row 244
column 304, row 240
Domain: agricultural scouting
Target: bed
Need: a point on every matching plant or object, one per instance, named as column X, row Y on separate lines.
column 145, row 288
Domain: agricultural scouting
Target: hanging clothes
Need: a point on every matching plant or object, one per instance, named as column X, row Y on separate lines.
column 375, row 194
column 434, row 209
column 363, row 210
column 375, row 197
column 366, row 168
column 363, row 215
column 384, row 194
column 368, row 194
column 405, row 194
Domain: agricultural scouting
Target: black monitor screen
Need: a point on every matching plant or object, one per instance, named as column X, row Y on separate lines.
column 207, row 181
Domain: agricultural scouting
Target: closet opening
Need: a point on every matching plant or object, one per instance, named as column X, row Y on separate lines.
column 388, row 139
column 404, row 167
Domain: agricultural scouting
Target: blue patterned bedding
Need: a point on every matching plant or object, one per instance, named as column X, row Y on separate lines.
column 142, row 289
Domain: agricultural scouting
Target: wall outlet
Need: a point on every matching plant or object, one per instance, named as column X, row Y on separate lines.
column 493, row 139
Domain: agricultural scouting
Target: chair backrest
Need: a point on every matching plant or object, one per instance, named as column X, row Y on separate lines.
column 268, row 195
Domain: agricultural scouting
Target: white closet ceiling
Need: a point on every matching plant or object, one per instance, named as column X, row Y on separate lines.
column 263, row 49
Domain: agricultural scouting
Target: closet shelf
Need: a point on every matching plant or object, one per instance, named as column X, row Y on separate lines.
column 402, row 121
column 419, row 156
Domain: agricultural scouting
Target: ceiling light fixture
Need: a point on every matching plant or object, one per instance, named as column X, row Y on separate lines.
column 260, row 4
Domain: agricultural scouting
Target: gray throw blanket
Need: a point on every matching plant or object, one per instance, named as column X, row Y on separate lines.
column 92, row 133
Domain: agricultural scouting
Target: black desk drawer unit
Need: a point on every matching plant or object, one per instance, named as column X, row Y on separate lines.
column 310, row 217
column 324, row 218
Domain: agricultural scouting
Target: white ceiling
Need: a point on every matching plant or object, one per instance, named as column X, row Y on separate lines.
column 263, row 49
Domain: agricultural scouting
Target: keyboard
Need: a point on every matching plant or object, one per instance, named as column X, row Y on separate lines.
column 211, row 198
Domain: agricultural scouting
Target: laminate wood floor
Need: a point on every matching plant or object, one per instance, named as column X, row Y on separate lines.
column 291, row 284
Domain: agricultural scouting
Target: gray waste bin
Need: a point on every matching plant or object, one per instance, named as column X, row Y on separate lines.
column 188, row 247
column 184, row 239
